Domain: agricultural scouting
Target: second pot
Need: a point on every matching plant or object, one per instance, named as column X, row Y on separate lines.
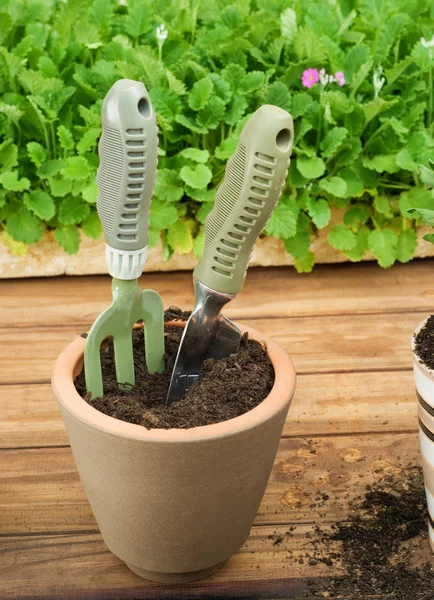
column 174, row 504
column 424, row 380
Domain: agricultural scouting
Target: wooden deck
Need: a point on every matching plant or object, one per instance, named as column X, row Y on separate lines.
column 348, row 330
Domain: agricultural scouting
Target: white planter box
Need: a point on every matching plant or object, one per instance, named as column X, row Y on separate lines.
column 46, row 258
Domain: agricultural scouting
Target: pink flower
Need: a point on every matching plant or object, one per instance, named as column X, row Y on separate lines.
column 310, row 77
column 340, row 78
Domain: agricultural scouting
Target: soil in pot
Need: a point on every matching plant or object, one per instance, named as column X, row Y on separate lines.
column 228, row 388
column 424, row 343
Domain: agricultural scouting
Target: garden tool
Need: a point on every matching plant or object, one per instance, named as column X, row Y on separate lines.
column 128, row 161
column 254, row 178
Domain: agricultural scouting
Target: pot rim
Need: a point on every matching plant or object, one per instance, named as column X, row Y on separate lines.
column 417, row 361
column 280, row 395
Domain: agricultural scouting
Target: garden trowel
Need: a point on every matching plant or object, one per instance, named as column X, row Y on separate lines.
column 128, row 152
column 254, row 178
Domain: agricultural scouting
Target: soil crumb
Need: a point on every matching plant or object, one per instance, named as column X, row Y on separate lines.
column 228, row 388
column 378, row 544
column 424, row 345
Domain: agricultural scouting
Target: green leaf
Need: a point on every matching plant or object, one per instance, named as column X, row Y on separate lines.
column 139, row 20
column 377, row 106
column 189, row 124
column 196, row 177
column 154, row 238
column 205, row 195
column 333, row 140
column 72, row 211
column 89, row 140
column 168, row 185
column 354, row 59
column 92, row 225
column 305, row 265
column 65, row 138
column 90, row 193
column 22, row 226
column 382, row 205
column 200, row 94
column 251, row 82
column 278, row 94
column 356, row 253
column 405, row 161
column 198, row 245
column 427, row 175
column 179, row 237
column 162, row 215
column 383, row 245
column 335, row 186
column 429, row 237
column 194, row 154
column 226, row 148
column 213, row 113
column 298, row 245
column 77, row 168
column 204, row 211
column 407, row 243
column 301, row 103
column 236, row 110
column 60, row 187
column 8, row 156
column 283, row 221
column 175, row 85
column 10, row 181
column 50, row 168
column 41, row 204
column 319, row 211
column 382, row 163
column 288, row 25
column 68, row 238
column 425, row 214
column 415, row 198
column 341, row 238
column 353, row 181
column 311, row 168
column 357, row 215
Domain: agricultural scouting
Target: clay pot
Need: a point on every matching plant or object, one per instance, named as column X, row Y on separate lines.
column 174, row 504
column 424, row 379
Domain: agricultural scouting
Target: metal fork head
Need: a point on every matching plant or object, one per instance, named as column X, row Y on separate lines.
column 130, row 304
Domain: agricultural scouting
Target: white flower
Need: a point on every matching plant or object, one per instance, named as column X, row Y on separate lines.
column 429, row 44
column 161, row 33
column 378, row 80
column 324, row 79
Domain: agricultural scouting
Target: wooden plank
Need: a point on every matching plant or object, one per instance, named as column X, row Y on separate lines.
column 41, row 491
column 71, row 566
column 320, row 344
column 324, row 404
column 271, row 292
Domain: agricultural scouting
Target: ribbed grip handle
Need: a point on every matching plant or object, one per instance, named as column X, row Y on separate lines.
column 254, row 178
column 128, row 152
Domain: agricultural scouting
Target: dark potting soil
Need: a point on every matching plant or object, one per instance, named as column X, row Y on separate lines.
column 377, row 544
column 424, row 345
column 228, row 388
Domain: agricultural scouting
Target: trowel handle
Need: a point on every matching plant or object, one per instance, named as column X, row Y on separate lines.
column 128, row 151
column 254, row 178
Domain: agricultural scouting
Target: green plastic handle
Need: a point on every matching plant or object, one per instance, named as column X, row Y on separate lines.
column 254, row 178
column 128, row 151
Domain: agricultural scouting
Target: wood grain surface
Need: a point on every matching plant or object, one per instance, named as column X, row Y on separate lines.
column 353, row 418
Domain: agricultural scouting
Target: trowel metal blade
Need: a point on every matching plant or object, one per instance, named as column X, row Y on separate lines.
column 205, row 336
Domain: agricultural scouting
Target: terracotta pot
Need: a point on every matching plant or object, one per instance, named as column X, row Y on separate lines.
column 424, row 379
column 174, row 504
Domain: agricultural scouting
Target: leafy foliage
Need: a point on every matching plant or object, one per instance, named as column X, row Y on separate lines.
column 357, row 147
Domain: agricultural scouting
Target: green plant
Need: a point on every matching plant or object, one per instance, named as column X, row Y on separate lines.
column 426, row 214
column 357, row 145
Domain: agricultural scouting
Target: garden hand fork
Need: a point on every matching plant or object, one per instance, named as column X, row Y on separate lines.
column 128, row 161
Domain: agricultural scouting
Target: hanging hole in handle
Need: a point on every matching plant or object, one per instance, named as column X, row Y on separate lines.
column 283, row 139
column 144, row 107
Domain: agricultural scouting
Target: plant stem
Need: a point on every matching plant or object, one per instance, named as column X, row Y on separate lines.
column 403, row 186
column 430, row 100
